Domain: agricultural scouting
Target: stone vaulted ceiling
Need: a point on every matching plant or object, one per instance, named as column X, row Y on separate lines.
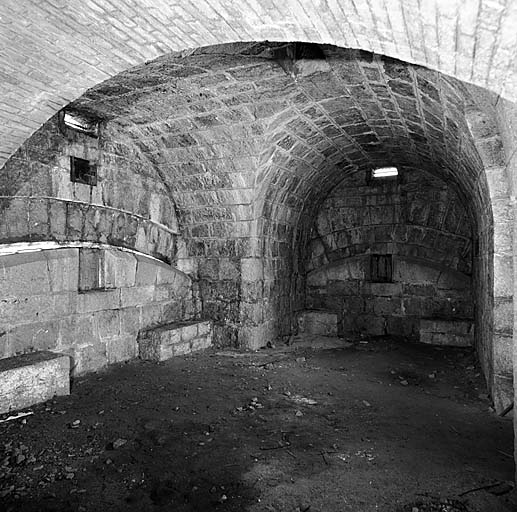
column 225, row 121
column 53, row 51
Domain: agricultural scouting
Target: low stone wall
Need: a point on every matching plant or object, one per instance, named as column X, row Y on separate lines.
column 176, row 339
column 41, row 307
column 320, row 323
column 457, row 333
column 418, row 290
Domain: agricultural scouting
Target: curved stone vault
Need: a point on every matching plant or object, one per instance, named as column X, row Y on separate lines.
column 217, row 154
column 53, row 51
column 247, row 140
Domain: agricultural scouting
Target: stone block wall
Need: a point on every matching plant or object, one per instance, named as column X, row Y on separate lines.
column 491, row 126
column 129, row 206
column 181, row 338
column 204, row 137
column 499, row 152
column 417, row 291
column 417, row 220
column 42, row 308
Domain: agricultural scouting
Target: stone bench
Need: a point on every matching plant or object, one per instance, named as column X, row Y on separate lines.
column 454, row 333
column 321, row 323
column 32, row 378
column 176, row 339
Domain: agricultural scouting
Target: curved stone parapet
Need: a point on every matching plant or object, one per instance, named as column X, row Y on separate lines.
column 32, row 219
column 55, row 299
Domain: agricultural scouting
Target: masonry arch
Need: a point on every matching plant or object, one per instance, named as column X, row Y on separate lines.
column 304, row 122
column 96, row 41
column 382, row 112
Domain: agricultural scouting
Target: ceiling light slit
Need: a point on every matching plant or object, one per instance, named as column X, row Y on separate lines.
column 385, row 172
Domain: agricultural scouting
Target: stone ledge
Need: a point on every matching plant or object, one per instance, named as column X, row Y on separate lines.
column 175, row 339
column 32, row 378
column 322, row 323
column 61, row 220
column 455, row 333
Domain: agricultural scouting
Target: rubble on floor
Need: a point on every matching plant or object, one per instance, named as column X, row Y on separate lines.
column 284, row 429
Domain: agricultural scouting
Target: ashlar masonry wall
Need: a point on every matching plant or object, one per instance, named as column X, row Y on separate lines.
column 109, row 268
column 421, row 226
column 42, row 305
column 129, row 206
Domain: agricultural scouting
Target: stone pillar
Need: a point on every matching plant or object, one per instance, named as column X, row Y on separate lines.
column 514, row 205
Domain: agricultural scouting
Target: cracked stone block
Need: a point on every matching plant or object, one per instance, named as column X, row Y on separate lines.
column 32, row 378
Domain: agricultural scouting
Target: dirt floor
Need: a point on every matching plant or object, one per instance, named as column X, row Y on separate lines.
column 378, row 425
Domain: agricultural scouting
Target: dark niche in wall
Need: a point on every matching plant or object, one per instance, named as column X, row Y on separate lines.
column 381, row 268
column 83, row 171
column 388, row 254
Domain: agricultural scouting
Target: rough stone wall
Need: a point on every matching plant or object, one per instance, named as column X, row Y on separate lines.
column 41, row 307
column 492, row 132
column 129, row 206
column 421, row 222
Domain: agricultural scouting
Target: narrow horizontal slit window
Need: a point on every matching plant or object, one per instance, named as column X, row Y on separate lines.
column 385, row 172
column 80, row 123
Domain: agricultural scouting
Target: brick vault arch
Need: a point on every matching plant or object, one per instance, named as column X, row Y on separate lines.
column 54, row 51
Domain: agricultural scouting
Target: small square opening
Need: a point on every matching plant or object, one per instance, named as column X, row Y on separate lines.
column 83, row 171
column 381, row 268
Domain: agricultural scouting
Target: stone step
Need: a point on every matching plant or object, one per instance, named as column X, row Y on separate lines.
column 176, row 339
column 321, row 323
column 454, row 333
column 32, row 378
column 316, row 341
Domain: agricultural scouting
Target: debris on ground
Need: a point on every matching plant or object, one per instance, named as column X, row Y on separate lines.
column 17, row 416
column 227, row 431
column 254, row 404
column 302, row 400
column 436, row 505
column 118, row 443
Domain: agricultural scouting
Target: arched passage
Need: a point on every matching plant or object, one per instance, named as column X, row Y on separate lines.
column 364, row 113
column 246, row 143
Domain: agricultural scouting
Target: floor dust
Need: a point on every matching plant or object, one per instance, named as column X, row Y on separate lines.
column 373, row 425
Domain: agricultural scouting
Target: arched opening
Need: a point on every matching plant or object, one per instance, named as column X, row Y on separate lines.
column 361, row 113
column 248, row 167
column 245, row 143
column 393, row 257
